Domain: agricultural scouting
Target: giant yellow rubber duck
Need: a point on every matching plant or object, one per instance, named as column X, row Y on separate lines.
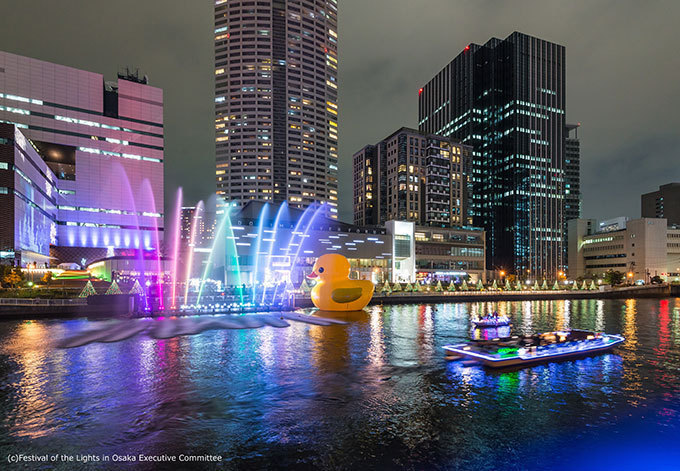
column 334, row 291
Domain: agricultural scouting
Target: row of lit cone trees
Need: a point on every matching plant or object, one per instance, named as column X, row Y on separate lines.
column 387, row 288
column 452, row 287
column 89, row 290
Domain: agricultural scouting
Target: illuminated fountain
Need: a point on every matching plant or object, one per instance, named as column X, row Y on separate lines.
column 137, row 243
column 146, row 188
column 177, row 235
column 267, row 281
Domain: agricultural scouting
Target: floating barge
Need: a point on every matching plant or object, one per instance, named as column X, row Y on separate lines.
column 549, row 346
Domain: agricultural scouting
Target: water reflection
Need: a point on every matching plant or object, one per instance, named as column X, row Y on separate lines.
column 376, row 391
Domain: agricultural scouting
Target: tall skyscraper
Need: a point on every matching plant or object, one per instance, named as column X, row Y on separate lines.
column 507, row 99
column 103, row 143
column 412, row 176
column 276, row 107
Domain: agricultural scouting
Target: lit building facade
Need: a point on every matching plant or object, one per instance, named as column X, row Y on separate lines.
column 507, row 100
column 188, row 218
column 411, row 176
column 28, row 201
column 644, row 247
column 276, row 107
column 450, row 254
column 103, row 141
column 663, row 203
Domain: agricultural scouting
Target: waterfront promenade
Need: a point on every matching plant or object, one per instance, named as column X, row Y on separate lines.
column 106, row 306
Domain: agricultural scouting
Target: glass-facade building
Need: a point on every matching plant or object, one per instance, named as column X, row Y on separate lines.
column 507, row 99
column 276, row 106
column 103, row 142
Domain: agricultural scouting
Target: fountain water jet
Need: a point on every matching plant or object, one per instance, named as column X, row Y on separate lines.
column 175, row 248
column 231, row 254
column 272, row 242
column 140, row 252
column 192, row 242
column 311, row 209
column 305, row 235
column 230, row 243
column 258, row 244
column 146, row 186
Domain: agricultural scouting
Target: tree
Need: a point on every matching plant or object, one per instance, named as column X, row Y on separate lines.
column 656, row 279
column 4, row 271
column 47, row 278
column 613, row 277
column 12, row 279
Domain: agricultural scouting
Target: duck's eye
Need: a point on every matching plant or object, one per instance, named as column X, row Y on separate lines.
column 320, row 269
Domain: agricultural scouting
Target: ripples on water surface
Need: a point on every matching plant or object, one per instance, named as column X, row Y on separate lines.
column 374, row 393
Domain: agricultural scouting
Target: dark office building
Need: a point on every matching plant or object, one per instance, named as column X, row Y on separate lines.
column 663, row 203
column 507, row 98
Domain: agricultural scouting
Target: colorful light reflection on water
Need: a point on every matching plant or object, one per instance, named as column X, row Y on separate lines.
column 376, row 392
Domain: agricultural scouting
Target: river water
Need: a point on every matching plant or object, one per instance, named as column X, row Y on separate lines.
column 376, row 393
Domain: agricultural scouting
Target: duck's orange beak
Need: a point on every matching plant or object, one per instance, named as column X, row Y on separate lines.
column 312, row 275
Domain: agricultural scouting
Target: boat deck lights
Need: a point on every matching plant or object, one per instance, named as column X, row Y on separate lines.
column 546, row 351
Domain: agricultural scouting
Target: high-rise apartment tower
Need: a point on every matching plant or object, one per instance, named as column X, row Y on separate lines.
column 276, row 107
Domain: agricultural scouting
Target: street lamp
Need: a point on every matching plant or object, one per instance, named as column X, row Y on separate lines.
column 630, row 277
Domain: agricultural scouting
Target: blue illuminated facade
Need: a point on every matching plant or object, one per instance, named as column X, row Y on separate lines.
column 28, row 200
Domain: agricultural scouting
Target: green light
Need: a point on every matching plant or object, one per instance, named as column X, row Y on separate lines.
column 507, row 351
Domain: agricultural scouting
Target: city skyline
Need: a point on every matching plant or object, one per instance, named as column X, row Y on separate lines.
column 626, row 138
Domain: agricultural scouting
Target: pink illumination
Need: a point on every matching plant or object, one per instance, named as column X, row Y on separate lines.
column 175, row 248
column 146, row 186
column 192, row 241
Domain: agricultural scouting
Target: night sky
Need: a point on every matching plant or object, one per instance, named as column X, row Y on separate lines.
column 623, row 75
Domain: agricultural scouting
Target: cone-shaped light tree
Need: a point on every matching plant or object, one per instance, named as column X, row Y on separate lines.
column 114, row 288
column 88, row 290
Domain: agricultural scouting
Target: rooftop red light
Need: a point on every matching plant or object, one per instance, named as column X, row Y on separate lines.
column 467, row 48
column 420, row 91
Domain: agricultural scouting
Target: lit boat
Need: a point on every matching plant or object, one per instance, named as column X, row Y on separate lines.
column 491, row 321
column 549, row 346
